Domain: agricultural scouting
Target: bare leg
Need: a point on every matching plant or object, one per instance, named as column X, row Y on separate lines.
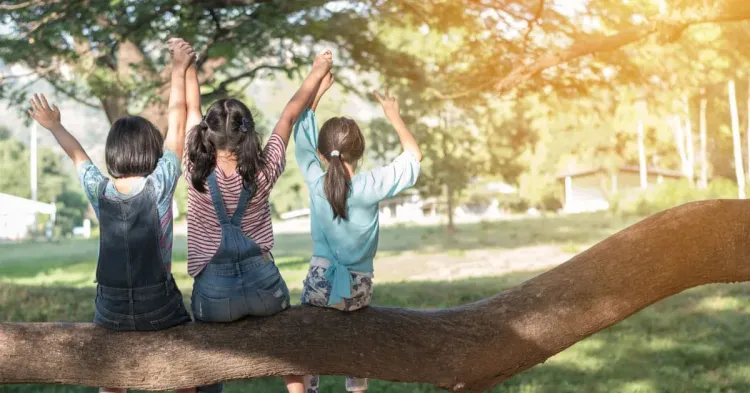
column 295, row 384
column 112, row 390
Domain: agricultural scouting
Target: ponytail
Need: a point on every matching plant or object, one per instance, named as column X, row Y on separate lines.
column 337, row 185
column 343, row 143
column 202, row 155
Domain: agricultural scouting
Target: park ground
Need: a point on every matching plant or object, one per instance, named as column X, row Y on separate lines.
column 694, row 342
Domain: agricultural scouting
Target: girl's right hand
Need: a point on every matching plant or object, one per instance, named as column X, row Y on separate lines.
column 48, row 117
column 322, row 63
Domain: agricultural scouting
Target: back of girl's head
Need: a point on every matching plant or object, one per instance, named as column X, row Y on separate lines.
column 133, row 148
column 340, row 141
column 228, row 125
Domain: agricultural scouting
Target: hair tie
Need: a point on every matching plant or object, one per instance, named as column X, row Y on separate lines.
column 335, row 153
column 244, row 126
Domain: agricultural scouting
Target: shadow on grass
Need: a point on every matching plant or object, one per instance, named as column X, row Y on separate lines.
column 693, row 342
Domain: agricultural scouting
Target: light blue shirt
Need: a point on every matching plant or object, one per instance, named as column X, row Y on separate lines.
column 350, row 245
column 164, row 178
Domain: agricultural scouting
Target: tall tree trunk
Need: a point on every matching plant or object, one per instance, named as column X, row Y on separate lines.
column 642, row 156
column 689, row 144
column 679, row 137
column 451, row 208
column 471, row 347
column 704, row 145
column 738, row 167
column 748, row 127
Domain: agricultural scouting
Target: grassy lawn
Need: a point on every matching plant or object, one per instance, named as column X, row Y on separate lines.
column 693, row 342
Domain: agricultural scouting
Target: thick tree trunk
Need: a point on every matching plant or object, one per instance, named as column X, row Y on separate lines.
column 704, row 145
column 736, row 141
column 472, row 347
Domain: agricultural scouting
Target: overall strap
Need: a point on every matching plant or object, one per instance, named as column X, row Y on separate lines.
column 245, row 196
column 102, row 187
column 217, row 200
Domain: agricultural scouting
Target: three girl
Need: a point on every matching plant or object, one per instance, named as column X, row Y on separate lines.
column 344, row 206
column 135, row 289
column 230, row 235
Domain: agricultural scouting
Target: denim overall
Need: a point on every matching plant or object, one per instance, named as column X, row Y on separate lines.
column 133, row 290
column 238, row 281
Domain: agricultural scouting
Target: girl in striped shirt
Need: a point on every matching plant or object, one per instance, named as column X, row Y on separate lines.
column 229, row 179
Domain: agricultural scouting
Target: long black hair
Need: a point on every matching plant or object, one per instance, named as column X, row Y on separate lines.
column 133, row 148
column 228, row 125
column 340, row 141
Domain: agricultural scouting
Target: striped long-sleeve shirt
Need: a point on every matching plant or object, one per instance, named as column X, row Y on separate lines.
column 204, row 230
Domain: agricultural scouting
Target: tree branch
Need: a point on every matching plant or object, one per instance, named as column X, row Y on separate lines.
column 726, row 11
column 472, row 347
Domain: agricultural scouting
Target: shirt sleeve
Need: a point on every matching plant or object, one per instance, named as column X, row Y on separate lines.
column 165, row 178
column 306, row 146
column 90, row 177
column 386, row 182
column 274, row 155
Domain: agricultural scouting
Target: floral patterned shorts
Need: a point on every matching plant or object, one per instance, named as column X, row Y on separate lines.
column 317, row 291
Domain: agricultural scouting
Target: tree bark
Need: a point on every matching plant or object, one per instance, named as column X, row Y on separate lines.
column 736, row 141
column 704, row 145
column 471, row 347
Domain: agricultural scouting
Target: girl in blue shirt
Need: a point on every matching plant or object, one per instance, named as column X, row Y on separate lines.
column 344, row 206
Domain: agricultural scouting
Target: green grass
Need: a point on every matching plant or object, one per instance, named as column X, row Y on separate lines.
column 693, row 342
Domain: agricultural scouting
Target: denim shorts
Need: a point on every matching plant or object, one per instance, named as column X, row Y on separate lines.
column 226, row 292
column 156, row 307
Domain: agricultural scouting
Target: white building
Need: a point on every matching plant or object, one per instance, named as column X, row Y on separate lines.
column 18, row 216
column 588, row 191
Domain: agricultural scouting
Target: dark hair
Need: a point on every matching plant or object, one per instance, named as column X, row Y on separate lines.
column 227, row 125
column 133, row 148
column 343, row 135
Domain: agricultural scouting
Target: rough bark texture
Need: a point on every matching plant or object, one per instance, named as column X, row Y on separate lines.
column 472, row 347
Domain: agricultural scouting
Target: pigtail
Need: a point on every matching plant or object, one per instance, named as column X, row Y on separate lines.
column 336, row 185
column 247, row 150
column 202, row 156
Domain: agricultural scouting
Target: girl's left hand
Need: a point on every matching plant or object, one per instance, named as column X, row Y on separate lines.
column 48, row 117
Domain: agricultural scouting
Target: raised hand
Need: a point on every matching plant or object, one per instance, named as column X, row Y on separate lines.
column 48, row 117
column 182, row 52
column 322, row 63
column 389, row 103
column 325, row 84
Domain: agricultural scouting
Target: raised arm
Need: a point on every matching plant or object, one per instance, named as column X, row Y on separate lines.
column 49, row 118
column 323, row 87
column 193, row 97
column 390, row 108
column 301, row 99
column 182, row 57
column 306, row 136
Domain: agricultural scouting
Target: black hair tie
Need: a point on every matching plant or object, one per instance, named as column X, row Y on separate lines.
column 244, row 127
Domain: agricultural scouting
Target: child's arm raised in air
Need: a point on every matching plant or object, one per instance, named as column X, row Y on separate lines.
column 193, row 96
column 301, row 98
column 49, row 118
column 390, row 107
column 323, row 87
column 182, row 57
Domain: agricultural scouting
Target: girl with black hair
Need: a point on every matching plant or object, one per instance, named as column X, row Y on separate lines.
column 344, row 206
column 135, row 289
column 230, row 177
